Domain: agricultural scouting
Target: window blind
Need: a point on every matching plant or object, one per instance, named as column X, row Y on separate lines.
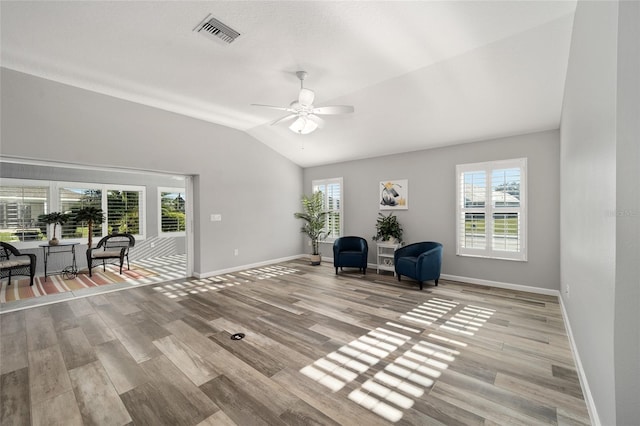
column 20, row 207
column 332, row 202
column 172, row 211
column 491, row 201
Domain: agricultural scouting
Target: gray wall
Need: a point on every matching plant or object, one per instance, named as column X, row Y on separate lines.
column 432, row 209
column 599, row 211
column 627, row 301
column 251, row 186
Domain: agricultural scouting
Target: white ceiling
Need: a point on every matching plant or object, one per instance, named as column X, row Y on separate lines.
column 420, row 74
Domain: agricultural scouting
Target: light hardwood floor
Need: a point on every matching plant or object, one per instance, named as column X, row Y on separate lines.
column 319, row 349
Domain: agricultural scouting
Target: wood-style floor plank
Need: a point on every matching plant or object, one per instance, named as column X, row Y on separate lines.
column 98, row 400
column 13, row 351
column 76, row 349
column 240, row 406
column 48, row 376
column 181, row 402
column 196, row 367
column 124, row 372
column 61, row 410
column 96, row 330
column 319, row 349
column 12, row 322
column 40, row 331
column 15, row 408
column 138, row 344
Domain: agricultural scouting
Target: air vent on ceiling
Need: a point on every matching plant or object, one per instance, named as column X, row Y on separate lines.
column 213, row 28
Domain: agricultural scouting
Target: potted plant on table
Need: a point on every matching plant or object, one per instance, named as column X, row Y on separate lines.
column 388, row 229
column 90, row 215
column 315, row 220
column 54, row 218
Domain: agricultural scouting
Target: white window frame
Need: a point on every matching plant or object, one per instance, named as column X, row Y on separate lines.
column 315, row 184
column 161, row 233
column 489, row 209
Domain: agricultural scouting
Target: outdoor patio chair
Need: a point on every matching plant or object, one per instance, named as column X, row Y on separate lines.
column 12, row 262
column 113, row 248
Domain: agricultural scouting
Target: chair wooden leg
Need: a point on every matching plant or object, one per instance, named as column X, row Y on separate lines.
column 420, row 285
column 398, row 277
column 436, row 283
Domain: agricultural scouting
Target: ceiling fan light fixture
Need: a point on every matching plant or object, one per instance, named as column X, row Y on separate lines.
column 303, row 126
column 306, row 97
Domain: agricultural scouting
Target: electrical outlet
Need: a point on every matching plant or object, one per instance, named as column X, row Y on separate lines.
column 567, row 290
column 235, row 252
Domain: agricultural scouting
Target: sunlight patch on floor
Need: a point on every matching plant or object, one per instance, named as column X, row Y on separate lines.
column 396, row 386
column 219, row 282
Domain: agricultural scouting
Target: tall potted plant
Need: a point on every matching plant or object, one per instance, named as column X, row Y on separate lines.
column 54, row 218
column 90, row 215
column 315, row 220
column 388, row 229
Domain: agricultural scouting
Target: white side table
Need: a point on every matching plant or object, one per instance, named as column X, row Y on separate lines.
column 385, row 256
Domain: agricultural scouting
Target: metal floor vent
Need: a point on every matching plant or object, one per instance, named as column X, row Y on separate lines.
column 213, row 28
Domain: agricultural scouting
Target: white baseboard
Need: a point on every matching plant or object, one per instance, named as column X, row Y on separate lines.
column 248, row 266
column 586, row 391
column 498, row 284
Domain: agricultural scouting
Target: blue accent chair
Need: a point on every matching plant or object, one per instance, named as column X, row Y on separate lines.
column 350, row 252
column 420, row 261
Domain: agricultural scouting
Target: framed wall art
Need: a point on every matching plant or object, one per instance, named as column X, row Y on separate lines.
column 394, row 194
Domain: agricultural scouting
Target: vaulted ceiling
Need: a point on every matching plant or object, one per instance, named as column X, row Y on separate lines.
column 420, row 74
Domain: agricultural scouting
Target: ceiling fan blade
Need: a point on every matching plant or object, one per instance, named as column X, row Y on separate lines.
column 319, row 121
column 334, row 109
column 306, row 97
column 282, row 119
column 274, row 107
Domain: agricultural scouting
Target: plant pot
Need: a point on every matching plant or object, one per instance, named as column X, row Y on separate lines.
column 53, row 242
column 315, row 259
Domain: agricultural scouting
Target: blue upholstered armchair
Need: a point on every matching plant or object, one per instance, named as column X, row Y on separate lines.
column 350, row 252
column 420, row 261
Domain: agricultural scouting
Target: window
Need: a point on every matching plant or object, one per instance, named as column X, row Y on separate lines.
column 21, row 203
column 332, row 192
column 172, row 211
column 491, row 209
column 123, row 211
column 72, row 199
column 122, row 204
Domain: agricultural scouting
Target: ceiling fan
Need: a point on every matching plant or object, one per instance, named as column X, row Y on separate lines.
column 303, row 111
